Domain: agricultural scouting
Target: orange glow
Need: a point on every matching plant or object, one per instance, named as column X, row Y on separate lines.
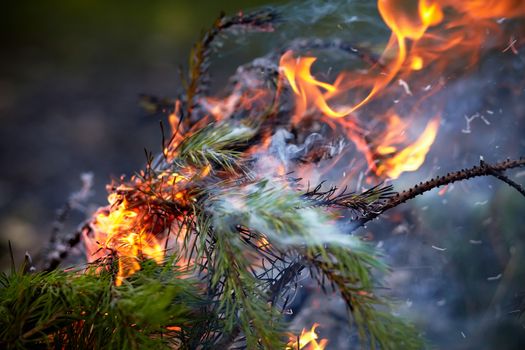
column 307, row 340
column 417, row 63
column 489, row 8
column 131, row 230
column 427, row 36
column 118, row 229
column 239, row 99
column 411, row 157
column 309, row 90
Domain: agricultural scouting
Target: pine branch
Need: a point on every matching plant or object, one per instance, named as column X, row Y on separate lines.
column 484, row 169
column 60, row 246
column 198, row 77
column 350, row 272
column 57, row 310
column 241, row 301
column 287, row 275
column 75, row 201
column 215, row 145
column 362, row 203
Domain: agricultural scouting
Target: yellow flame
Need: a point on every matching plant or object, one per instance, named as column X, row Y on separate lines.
column 412, row 156
column 116, row 230
column 307, row 340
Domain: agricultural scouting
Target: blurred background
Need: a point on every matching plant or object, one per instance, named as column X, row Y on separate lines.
column 70, row 77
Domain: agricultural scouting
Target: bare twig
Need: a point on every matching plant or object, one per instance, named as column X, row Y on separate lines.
column 198, row 77
column 499, row 175
column 74, row 201
column 63, row 248
column 483, row 169
column 59, row 247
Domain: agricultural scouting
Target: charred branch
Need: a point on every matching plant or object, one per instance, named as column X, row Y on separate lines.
column 500, row 176
column 484, row 169
column 199, row 61
column 61, row 249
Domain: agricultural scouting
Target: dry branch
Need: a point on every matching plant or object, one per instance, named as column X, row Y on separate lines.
column 484, row 169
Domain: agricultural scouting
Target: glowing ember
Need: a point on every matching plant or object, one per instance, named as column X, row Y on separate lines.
column 307, row 340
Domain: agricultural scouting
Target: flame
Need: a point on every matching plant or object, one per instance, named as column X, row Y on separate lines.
column 129, row 228
column 307, row 340
column 427, row 37
column 306, row 87
column 120, row 229
column 430, row 40
column 412, row 156
column 489, row 8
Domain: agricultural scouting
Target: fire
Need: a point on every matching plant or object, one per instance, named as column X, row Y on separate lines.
column 120, row 229
column 411, row 157
column 375, row 108
column 130, row 229
column 307, row 340
column 306, row 87
column 428, row 36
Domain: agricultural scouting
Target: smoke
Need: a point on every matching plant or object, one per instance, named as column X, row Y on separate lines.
column 277, row 214
column 445, row 249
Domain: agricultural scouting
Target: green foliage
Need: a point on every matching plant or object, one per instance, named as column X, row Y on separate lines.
column 246, row 235
column 350, row 272
column 273, row 208
column 242, row 301
column 279, row 213
column 84, row 310
column 215, row 145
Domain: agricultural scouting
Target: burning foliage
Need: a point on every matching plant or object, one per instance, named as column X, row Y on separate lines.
column 227, row 208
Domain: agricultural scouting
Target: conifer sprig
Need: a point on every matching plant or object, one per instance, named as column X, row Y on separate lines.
column 85, row 310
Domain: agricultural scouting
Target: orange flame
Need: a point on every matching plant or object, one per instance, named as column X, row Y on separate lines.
column 307, row 340
column 130, row 230
column 306, row 87
column 119, row 229
column 427, row 36
column 411, row 157
column 430, row 40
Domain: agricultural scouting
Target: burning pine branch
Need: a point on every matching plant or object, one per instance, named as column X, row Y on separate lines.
column 203, row 247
